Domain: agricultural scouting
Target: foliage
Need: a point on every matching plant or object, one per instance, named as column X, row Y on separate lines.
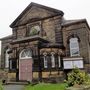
column 76, row 76
column 46, row 86
column 1, row 87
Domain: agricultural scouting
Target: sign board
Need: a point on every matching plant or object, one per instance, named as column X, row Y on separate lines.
column 70, row 64
column 78, row 64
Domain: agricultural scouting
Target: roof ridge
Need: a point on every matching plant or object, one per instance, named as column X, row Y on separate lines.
column 68, row 22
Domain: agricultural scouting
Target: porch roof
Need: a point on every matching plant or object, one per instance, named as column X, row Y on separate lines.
column 28, row 39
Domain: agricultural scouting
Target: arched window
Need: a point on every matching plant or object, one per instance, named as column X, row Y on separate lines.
column 45, row 60
column 74, row 47
column 59, row 61
column 25, row 54
column 7, row 59
column 52, row 60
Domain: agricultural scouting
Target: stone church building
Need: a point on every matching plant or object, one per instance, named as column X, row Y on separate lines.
column 44, row 45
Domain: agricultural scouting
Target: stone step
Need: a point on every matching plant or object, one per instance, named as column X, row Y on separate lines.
column 17, row 83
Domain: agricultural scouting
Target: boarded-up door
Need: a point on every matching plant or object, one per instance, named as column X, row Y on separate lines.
column 25, row 69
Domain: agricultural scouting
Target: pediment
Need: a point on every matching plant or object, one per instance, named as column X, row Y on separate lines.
column 35, row 12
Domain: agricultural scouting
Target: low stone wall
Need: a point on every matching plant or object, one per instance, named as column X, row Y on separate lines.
column 11, row 77
column 3, row 76
column 79, row 88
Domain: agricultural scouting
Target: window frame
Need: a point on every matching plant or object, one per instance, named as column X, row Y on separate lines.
column 74, row 40
column 52, row 60
column 26, row 57
column 45, row 60
column 59, row 61
column 7, row 58
column 11, row 65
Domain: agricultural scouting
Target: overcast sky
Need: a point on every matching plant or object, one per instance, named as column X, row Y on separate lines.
column 10, row 9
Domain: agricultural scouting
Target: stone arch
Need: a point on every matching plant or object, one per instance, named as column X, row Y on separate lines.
column 25, row 54
column 68, row 42
column 6, row 58
column 73, row 36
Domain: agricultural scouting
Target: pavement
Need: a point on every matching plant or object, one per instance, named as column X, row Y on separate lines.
column 13, row 87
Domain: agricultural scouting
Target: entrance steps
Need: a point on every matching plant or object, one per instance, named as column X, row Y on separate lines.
column 17, row 83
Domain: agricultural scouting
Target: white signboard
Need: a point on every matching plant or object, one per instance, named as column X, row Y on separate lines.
column 70, row 64
column 78, row 64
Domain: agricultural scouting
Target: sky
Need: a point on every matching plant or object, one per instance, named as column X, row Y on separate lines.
column 10, row 9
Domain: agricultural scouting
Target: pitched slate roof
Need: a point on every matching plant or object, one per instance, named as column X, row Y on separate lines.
column 69, row 22
column 33, row 38
column 7, row 37
column 76, row 21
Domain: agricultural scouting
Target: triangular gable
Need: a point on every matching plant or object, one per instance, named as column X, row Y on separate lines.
column 34, row 12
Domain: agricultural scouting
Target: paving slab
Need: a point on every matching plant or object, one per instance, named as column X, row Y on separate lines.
column 13, row 87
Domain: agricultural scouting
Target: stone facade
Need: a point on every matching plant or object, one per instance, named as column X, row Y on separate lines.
column 5, row 44
column 0, row 60
column 52, row 36
column 82, row 31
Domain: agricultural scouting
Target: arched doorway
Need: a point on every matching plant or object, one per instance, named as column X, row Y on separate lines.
column 25, row 65
column 7, row 59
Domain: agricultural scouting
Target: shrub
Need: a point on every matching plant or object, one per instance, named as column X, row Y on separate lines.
column 1, row 87
column 76, row 76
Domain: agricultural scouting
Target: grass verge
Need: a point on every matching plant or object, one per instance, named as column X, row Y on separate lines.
column 46, row 86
